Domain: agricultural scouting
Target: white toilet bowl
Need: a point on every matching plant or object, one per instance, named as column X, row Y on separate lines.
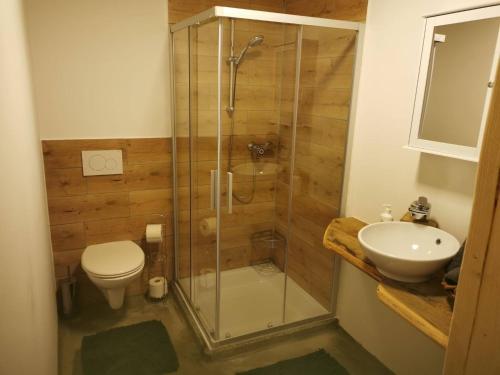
column 112, row 266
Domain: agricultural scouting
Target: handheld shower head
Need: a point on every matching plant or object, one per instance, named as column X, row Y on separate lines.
column 253, row 42
column 235, row 62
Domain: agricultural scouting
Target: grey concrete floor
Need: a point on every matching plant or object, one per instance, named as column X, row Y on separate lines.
column 190, row 352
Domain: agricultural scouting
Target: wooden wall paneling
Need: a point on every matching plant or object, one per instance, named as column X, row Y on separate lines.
column 106, row 184
column 129, row 228
column 321, row 8
column 485, row 339
column 78, row 208
column 66, row 210
column 67, row 153
column 351, row 10
column 149, row 176
column 108, row 230
column 65, row 182
column 321, row 133
column 157, row 201
column 105, row 206
column 475, row 329
column 96, row 209
column 182, row 9
column 148, row 150
column 68, row 237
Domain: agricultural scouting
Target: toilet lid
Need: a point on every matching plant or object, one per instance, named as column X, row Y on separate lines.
column 112, row 258
column 116, row 275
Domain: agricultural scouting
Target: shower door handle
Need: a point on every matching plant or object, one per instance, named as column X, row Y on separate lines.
column 229, row 193
column 213, row 191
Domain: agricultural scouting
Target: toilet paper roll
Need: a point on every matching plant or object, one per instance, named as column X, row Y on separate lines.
column 158, row 287
column 208, row 226
column 154, row 233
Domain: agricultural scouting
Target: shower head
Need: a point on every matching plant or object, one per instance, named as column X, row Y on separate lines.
column 253, row 42
column 235, row 62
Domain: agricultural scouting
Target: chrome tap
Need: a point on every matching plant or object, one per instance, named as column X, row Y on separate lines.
column 258, row 150
column 420, row 209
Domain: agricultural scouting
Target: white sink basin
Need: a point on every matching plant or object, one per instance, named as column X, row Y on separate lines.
column 406, row 251
column 260, row 169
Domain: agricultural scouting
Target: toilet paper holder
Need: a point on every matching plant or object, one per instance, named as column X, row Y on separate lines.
column 156, row 258
column 163, row 225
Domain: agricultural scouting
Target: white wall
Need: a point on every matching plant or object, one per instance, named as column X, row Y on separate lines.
column 100, row 68
column 383, row 172
column 28, row 321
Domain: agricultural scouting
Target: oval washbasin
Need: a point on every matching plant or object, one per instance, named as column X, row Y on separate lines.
column 406, row 251
column 260, row 169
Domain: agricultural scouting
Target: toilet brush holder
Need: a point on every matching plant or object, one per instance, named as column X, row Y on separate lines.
column 67, row 293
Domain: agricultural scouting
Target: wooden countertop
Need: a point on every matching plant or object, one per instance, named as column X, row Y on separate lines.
column 424, row 305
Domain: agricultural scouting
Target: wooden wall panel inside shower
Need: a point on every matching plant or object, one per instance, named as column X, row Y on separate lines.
column 324, row 101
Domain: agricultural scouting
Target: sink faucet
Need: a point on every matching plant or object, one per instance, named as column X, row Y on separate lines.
column 420, row 209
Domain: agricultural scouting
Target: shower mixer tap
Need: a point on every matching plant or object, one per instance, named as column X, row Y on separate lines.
column 259, row 149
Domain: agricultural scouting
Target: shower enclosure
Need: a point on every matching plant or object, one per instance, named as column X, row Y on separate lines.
column 261, row 109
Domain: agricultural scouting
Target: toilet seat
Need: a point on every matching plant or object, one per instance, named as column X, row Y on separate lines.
column 98, row 276
column 113, row 259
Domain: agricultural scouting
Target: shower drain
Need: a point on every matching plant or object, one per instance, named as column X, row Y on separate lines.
column 266, row 269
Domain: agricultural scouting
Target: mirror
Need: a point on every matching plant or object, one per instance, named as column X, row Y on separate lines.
column 457, row 70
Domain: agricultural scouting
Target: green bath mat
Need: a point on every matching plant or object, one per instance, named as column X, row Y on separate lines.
column 317, row 363
column 139, row 349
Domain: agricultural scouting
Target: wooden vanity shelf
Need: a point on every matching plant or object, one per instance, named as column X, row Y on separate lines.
column 423, row 305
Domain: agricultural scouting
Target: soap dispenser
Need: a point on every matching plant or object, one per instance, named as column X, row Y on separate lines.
column 386, row 215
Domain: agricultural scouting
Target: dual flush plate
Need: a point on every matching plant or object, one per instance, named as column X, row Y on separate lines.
column 102, row 162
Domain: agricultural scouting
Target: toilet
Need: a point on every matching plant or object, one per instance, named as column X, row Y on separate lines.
column 112, row 266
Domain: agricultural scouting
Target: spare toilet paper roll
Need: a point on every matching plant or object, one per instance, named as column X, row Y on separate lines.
column 154, row 233
column 157, row 287
column 208, row 226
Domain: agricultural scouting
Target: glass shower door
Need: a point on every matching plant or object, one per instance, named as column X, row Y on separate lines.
column 196, row 133
column 318, row 159
column 182, row 173
column 252, row 249
column 204, row 174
